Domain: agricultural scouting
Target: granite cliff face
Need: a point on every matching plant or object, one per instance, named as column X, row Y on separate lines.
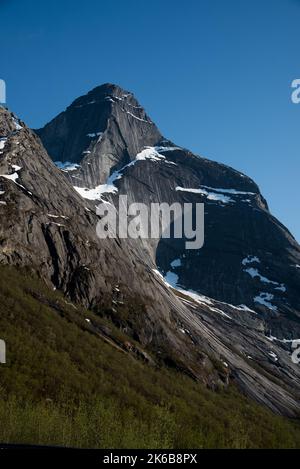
column 225, row 313
column 248, row 257
column 82, row 133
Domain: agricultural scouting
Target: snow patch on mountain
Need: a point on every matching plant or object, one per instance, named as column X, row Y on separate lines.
column 17, row 124
column 283, row 341
column 66, row 166
column 167, row 149
column 228, row 191
column 250, row 260
column 14, row 176
column 171, row 280
column 281, row 287
column 3, row 141
column 214, row 196
column 149, row 153
column 176, row 263
column 265, row 300
column 138, row 118
column 94, row 134
column 242, row 308
column 217, row 194
column 255, row 274
column 94, row 194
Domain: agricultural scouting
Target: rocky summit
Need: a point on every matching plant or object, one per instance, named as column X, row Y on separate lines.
column 226, row 313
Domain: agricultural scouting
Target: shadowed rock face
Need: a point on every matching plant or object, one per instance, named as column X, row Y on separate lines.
column 248, row 258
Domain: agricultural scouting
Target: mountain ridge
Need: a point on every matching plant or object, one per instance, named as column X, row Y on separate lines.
column 56, row 237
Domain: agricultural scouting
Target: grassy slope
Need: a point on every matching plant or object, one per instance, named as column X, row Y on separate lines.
column 64, row 385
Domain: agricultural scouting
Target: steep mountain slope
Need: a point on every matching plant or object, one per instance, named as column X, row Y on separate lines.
column 48, row 227
column 49, row 224
column 72, row 379
column 248, row 257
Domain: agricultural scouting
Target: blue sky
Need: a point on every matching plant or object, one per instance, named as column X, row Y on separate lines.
column 214, row 75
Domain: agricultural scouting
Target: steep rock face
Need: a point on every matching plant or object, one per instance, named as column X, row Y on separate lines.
column 248, row 257
column 48, row 227
column 107, row 121
column 51, row 227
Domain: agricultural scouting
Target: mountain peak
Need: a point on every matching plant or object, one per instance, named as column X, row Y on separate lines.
column 236, row 299
column 108, row 92
column 104, row 129
column 110, row 88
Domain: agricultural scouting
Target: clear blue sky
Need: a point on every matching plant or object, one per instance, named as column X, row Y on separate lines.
column 214, row 75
